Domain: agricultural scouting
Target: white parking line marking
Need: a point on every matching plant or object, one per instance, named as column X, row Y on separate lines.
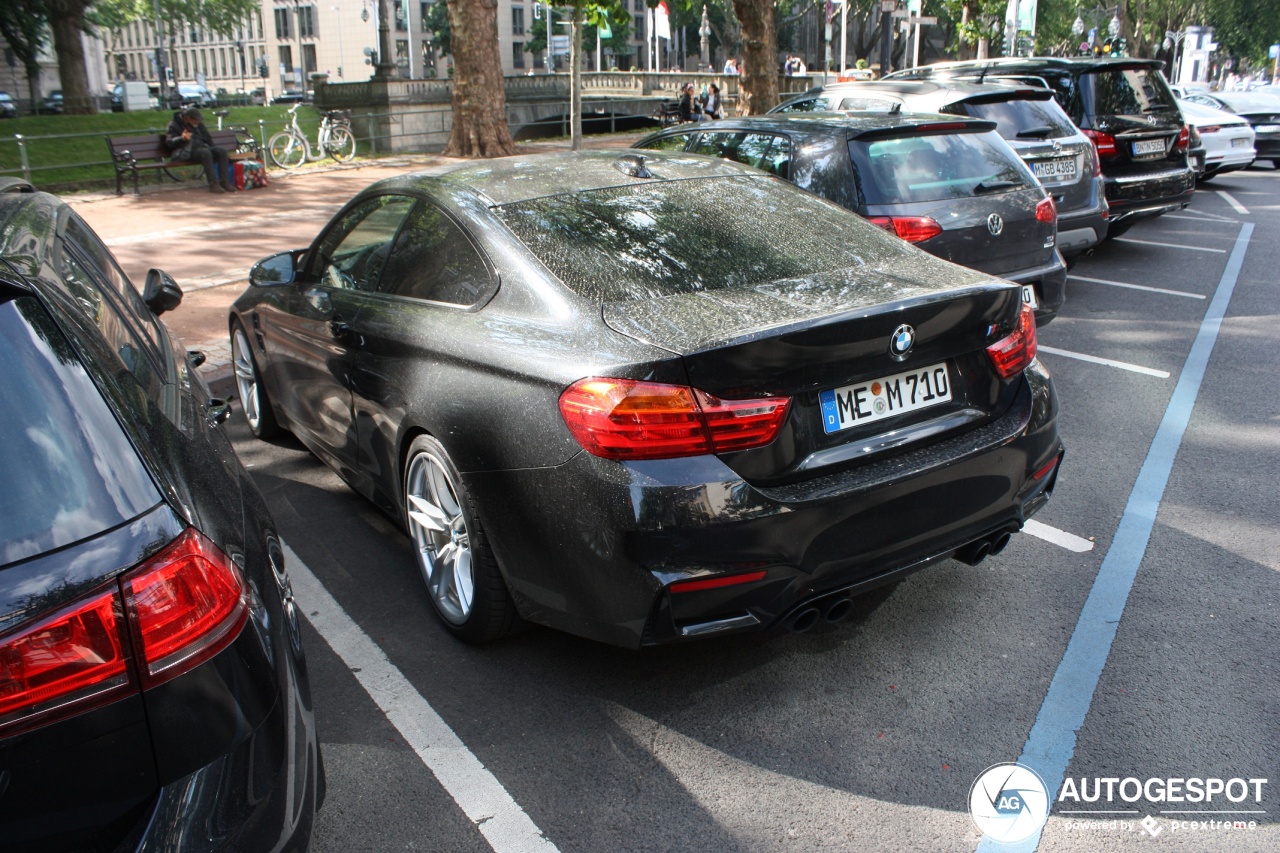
column 1211, row 217
column 1061, row 538
column 1137, row 287
column 1123, row 365
column 1169, row 245
column 481, row 796
column 1231, row 200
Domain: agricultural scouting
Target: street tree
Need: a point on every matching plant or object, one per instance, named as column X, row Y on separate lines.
column 25, row 27
column 479, row 96
column 759, row 81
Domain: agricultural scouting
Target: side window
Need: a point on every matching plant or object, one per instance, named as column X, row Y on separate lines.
column 355, row 250
column 760, row 150
column 96, row 255
column 434, row 260
column 86, row 288
column 674, row 142
column 808, row 105
column 868, row 104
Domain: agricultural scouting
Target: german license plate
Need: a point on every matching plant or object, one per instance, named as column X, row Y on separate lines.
column 1148, row 146
column 1239, row 143
column 887, row 397
column 1029, row 296
column 1063, row 168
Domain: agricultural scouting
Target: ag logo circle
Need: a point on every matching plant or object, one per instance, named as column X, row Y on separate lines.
column 1009, row 802
column 901, row 341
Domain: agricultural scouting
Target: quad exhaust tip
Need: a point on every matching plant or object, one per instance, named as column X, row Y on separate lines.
column 979, row 549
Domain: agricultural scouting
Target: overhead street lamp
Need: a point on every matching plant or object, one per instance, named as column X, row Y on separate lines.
column 1172, row 41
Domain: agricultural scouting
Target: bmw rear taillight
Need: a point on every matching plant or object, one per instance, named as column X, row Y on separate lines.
column 1184, row 137
column 185, row 605
column 1104, row 143
column 159, row 620
column 1011, row 354
column 629, row 419
column 913, row 229
column 1046, row 211
column 64, row 663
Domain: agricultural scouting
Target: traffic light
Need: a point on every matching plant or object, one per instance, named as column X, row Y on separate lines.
column 263, row 71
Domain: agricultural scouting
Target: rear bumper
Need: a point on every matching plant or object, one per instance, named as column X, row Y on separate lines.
column 1050, row 283
column 598, row 561
column 1141, row 195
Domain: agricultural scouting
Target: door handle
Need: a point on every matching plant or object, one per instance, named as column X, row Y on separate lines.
column 217, row 411
column 343, row 333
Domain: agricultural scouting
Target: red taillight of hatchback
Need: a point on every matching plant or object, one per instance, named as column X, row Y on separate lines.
column 1011, row 354
column 185, row 604
column 1104, row 143
column 629, row 419
column 1046, row 211
column 64, row 663
column 181, row 607
column 913, row 229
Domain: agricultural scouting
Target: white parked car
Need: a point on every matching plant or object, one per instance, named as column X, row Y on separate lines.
column 1228, row 138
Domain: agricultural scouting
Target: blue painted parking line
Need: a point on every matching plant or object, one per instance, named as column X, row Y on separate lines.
column 1052, row 741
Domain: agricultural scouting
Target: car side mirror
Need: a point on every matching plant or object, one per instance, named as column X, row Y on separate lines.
column 276, row 269
column 161, row 292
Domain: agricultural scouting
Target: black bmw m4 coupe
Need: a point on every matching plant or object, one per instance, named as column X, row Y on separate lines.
column 645, row 397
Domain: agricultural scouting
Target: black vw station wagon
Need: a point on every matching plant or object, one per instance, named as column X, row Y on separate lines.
column 153, row 690
column 1125, row 106
column 644, row 398
column 1027, row 117
column 947, row 184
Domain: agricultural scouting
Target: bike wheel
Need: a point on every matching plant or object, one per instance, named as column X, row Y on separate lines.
column 287, row 151
column 342, row 144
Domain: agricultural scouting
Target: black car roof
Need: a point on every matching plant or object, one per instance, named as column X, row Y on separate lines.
column 1006, row 64
column 854, row 123
column 506, row 180
column 26, row 238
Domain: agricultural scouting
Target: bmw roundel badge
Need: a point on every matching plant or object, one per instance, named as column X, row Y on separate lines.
column 900, row 344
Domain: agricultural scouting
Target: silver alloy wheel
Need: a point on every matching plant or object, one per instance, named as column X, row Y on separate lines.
column 440, row 537
column 246, row 379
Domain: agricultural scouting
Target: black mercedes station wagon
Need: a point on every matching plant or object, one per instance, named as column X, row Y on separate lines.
column 1125, row 106
column 153, row 691
column 948, row 184
column 649, row 397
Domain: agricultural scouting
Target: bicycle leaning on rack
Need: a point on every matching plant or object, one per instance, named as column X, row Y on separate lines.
column 289, row 148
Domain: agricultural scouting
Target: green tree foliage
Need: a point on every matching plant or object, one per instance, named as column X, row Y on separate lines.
column 25, row 27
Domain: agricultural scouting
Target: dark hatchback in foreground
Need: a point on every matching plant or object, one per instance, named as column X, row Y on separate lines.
column 1125, row 106
column 153, row 691
column 1026, row 117
column 949, row 185
column 648, row 398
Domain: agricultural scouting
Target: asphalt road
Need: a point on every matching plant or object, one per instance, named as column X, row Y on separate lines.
column 869, row 736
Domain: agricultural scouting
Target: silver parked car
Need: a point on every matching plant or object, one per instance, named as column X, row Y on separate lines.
column 1028, row 118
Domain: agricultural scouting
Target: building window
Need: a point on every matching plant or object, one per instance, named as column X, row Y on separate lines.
column 639, row 27
column 282, row 24
column 517, row 21
column 309, row 59
column 639, row 5
column 517, row 54
column 402, row 57
column 286, row 62
column 401, row 24
column 307, row 21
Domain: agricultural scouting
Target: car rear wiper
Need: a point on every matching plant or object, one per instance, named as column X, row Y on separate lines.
column 1038, row 132
column 995, row 186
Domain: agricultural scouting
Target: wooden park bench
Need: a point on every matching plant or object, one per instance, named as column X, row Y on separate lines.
column 132, row 155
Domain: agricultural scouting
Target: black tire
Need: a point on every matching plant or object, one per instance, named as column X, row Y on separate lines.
column 452, row 551
column 259, row 414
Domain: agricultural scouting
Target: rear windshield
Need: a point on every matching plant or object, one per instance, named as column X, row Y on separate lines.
column 1021, row 118
column 1125, row 91
column 70, row 471
column 664, row 238
column 906, row 169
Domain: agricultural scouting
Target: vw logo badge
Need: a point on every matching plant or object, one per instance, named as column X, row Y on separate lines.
column 995, row 224
column 900, row 344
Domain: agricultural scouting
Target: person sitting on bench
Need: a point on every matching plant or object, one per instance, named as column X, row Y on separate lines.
column 189, row 140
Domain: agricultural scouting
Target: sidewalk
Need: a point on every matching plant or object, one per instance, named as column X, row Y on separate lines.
column 208, row 242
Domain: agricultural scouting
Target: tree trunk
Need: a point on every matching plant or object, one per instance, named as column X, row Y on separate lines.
column 479, row 99
column 66, row 19
column 759, row 81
